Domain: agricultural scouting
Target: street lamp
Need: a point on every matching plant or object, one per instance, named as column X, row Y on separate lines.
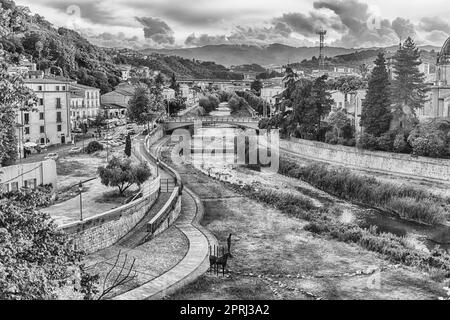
column 157, row 167
column 80, row 189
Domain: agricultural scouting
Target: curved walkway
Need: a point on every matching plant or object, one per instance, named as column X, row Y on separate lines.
column 195, row 262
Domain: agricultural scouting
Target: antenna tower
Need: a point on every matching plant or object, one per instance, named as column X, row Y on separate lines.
column 321, row 34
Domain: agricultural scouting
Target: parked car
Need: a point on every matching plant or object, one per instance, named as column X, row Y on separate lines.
column 75, row 150
column 53, row 156
column 131, row 131
column 130, row 126
column 78, row 130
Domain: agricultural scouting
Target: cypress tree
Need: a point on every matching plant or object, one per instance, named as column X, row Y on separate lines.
column 408, row 85
column 376, row 110
column 128, row 146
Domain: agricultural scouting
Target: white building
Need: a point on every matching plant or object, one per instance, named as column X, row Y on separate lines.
column 120, row 96
column 84, row 104
column 270, row 94
column 50, row 123
column 351, row 103
column 29, row 175
column 125, row 72
column 168, row 93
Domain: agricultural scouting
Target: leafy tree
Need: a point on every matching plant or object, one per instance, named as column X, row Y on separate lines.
column 364, row 70
column 209, row 103
column 174, row 85
column 408, row 86
column 93, row 146
column 257, row 86
column 139, row 106
column 290, row 80
column 176, row 105
column 37, row 259
column 376, row 110
column 121, row 173
column 128, row 146
column 14, row 97
column 321, row 100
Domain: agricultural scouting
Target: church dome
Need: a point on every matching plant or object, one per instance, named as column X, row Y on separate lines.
column 444, row 55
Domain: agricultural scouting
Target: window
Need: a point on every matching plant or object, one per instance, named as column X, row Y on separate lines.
column 41, row 116
column 27, row 130
column 59, row 128
column 58, row 117
column 42, row 129
column 42, row 141
column 63, row 88
column 26, row 118
column 58, row 103
column 39, row 88
column 41, row 101
column 57, row 88
column 4, row 188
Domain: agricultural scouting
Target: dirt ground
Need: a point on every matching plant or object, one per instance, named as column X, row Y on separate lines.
column 275, row 258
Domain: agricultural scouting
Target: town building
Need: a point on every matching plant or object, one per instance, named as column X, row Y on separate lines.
column 115, row 103
column 351, row 103
column 84, row 104
column 125, row 72
column 439, row 105
column 168, row 93
column 49, row 123
column 270, row 94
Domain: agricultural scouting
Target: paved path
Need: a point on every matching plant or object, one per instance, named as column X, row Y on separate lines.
column 195, row 262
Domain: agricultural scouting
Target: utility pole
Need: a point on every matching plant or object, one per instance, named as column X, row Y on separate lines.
column 80, row 189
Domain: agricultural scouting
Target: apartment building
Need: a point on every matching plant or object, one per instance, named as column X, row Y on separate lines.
column 84, row 104
column 49, row 123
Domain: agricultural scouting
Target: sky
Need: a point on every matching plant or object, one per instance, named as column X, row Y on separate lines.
column 190, row 23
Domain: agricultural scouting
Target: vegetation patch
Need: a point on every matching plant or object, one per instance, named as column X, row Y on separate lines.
column 408, row 203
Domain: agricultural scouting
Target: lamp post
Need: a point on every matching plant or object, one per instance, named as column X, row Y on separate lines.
column 80, row 189
column 157, row 167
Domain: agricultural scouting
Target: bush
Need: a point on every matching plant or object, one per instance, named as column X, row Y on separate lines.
column 367, row 141
column 350, row 186
column 386, row 141
column 431, row 139
column 400, row 144
column 93, row 146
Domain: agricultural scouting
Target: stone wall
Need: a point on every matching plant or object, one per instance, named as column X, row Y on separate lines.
column 401, row 164
column 104, row 230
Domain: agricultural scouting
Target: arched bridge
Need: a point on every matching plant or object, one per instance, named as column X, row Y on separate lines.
column 180, row 122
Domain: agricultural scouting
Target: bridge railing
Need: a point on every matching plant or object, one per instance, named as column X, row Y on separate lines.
column 211, row 119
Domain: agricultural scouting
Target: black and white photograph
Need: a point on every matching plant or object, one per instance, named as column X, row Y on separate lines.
column 219, row 156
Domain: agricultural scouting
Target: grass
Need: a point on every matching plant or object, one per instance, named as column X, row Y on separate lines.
column 409, row 203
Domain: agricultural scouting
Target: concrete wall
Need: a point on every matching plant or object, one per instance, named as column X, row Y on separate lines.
column 421, row 167
column 104, row 230
column 30, row 174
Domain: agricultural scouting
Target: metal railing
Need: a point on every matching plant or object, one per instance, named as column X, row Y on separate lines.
column 213, row 119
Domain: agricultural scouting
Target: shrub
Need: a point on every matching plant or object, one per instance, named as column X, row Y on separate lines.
column 367, row 141
column 400, row 144
column 431, row 139
column 369, row 191
column 386, row 141
column 93, row 146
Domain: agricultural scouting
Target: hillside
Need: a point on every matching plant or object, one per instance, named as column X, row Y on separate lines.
column 69, row 54
column 234, row 55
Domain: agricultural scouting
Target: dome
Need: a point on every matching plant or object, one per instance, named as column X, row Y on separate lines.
column 444, row 55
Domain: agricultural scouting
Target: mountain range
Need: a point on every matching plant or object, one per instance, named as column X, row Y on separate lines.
column 274, row 54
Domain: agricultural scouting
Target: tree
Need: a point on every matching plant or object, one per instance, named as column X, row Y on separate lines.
column 14, row 97
column 128, row 146
column 376, row 110
column 174, row 85
column 257, row 86
column 121, row 173
column 138, row 106
column 364, row 70
column 37, row 259
column 322, row 101
column 408, row 86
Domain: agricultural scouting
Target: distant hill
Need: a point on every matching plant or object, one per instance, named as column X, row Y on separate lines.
column 235, row 55
column 68, row 53
column 274, row 54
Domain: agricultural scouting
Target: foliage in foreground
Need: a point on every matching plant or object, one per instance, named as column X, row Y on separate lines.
column 409, row 203
column 37, row 260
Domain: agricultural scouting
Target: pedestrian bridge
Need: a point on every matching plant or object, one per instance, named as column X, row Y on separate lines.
column 171, row 124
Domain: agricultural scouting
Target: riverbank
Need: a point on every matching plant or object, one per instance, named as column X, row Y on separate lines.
column 274, row 257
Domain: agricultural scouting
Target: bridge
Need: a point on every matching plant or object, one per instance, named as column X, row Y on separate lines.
column 181, row 122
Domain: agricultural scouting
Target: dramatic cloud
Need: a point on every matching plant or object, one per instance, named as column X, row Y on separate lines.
column 403, row 28
column 350, row 23
column 429, row 24
column 157, row 30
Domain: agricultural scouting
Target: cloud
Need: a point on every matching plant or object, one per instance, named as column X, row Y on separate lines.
column 157, row 30
column 430, row 24
column 403, row 28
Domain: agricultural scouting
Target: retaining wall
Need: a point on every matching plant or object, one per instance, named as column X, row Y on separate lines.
column 401, row 164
